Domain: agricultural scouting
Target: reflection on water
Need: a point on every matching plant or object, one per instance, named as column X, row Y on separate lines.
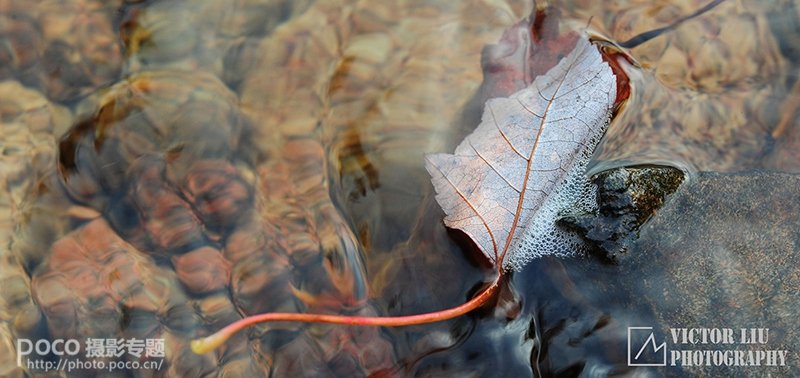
column 171, row 166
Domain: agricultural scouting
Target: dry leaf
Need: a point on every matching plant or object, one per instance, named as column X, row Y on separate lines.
column 525, row 163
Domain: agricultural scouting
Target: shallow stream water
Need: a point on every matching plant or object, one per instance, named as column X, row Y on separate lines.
column 171, row 166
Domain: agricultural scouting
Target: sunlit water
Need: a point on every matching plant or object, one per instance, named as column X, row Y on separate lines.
column 172, row 166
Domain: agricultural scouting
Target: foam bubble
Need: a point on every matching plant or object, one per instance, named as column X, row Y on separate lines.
column 575, row 194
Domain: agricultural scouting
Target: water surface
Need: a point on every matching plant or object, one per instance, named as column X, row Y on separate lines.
column 171, row 166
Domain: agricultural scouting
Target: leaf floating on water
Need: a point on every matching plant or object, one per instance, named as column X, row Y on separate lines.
column 507, row 182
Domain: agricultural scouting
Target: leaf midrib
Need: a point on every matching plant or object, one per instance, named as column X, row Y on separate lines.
column 524, row 190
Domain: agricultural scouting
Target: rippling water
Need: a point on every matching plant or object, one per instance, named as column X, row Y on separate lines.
column 171, row 166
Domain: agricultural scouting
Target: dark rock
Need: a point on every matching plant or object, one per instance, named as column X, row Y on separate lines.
column 724, row 253
column 721, row 253
column 626, row 198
